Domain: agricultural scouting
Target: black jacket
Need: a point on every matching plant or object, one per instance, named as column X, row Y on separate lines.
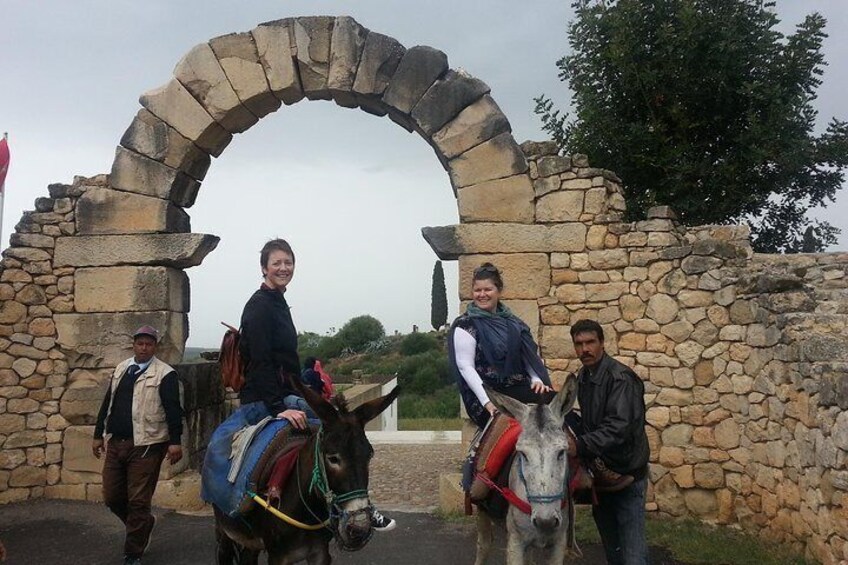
column 269, row 346
column 612, row 406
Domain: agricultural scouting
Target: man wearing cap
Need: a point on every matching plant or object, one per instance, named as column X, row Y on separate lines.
column 141, row 421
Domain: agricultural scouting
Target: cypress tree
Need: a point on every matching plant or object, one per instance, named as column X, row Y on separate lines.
column 439, row 298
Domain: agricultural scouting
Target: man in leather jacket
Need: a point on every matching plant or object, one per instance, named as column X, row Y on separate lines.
column 612, row 407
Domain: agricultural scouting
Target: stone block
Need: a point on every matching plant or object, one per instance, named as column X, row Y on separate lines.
column 502, row 200
column 12, row 312
column 525, row 275
column 106, row 211
column 555, row 343
column 606, row 292
column 662, row 308
column 449, row 242
column 608, row 259
column 528, row 311
column 274, row 45
column 418, row 69
column 560, row 206
column 180, row 493
column 27, row 476
column 239, row 58
column 313, row 36
column 595, row 201
column 760, row 335
column 347, row 44
column 65, row 492
column 104, row 340
column 202, row 75
column 446, row 98
column 697, row 264
column 179, row 250
column 129, row 289
column 451, row 495
column 81, row 400
column 476, row 124
column 701, row 502
column 380, row 58
column 26, row 438
column 175, row 106
column 497, row 158
column 133, row 172
column 76, row 449
column 554, row 165
column 149, row 136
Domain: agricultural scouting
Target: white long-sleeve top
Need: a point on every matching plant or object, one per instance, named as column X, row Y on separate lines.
column 465, row 349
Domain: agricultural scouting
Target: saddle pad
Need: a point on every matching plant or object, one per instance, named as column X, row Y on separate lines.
column 496, row 446
column 232, row 498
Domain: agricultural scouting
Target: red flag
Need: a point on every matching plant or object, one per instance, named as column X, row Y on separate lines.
column 4, row 161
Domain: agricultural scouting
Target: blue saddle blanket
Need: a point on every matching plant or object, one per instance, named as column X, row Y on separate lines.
column 232, row 498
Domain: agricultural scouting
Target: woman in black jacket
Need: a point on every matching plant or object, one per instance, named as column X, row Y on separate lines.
column 269, row 339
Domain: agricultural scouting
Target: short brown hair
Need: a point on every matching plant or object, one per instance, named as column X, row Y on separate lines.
column 271, row 246
column 488, row 272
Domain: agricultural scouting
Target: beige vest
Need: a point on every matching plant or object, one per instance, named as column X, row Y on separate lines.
column 148, row 414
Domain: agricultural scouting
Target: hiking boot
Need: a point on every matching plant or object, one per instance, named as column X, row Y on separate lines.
column 607, row 480
column 381, row 523
column 132, row 560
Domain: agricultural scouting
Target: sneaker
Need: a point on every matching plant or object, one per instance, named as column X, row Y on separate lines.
column 607, row 480
column 132, row 560
column 381, row 523
column 149, row 535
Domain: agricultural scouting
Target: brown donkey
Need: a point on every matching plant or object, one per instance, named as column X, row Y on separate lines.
column 325, row 497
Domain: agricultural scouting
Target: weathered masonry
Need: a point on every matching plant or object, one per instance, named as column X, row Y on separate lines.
column 744, row 356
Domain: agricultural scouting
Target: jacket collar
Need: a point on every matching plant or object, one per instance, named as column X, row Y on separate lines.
column 599, row 369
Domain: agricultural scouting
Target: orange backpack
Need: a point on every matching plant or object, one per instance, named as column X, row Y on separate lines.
column 230, row 359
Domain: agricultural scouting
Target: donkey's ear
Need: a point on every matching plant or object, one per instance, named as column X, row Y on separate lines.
column 325, row 411
column 563, row 402
column 369, row 410
column 508, row 405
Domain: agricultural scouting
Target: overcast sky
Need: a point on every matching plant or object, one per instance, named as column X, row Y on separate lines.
column 348, row 190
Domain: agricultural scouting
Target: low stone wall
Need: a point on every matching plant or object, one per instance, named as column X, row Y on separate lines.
column 204, row 405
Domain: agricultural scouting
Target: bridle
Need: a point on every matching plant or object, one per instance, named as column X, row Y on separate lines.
column 517, row 501
column 339, row 518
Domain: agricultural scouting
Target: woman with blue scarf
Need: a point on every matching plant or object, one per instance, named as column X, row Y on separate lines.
column 491, row 346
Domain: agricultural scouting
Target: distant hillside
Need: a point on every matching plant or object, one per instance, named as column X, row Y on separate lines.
column 192, row 354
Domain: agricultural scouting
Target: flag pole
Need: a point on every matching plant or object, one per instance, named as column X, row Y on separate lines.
column 4, row 166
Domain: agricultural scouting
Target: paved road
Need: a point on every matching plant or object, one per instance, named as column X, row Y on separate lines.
column 51, row 532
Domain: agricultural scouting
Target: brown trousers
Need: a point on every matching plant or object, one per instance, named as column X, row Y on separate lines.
column 129, row 480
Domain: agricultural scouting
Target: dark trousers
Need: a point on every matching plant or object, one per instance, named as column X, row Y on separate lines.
column 129, row 480
column 620, row 517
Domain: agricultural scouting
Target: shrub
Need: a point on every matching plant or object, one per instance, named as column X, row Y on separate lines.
column 415, row 343
column 358, row 332
column 441, row 403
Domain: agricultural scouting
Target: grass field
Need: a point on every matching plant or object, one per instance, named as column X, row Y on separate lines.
column 689, row 541
column 429, row 424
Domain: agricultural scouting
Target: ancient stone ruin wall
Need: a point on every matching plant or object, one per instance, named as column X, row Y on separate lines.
column 105, row 255
column 744, row 356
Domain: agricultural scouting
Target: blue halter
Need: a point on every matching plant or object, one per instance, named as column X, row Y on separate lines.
column 537, row 498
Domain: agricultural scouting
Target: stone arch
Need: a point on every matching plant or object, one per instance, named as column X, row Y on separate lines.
column 223, row 87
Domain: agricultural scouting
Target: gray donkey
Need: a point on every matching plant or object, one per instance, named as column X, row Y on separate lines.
column 539, row 478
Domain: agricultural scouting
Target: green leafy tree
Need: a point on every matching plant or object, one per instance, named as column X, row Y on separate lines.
column 358, row 332
column 703, row 105
column 438, row 298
